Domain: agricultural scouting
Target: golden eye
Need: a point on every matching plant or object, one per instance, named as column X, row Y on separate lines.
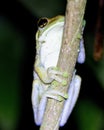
column 42, row 22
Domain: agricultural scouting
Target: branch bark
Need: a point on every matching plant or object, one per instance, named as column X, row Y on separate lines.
column 68, row 55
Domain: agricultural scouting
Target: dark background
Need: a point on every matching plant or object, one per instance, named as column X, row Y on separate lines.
column 18, row 25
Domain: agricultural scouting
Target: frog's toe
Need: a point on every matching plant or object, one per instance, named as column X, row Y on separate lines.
column 55, row 94
column 54, row 73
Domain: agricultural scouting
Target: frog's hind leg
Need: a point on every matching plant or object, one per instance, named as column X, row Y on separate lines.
column 81, row 55
column 73, row 93
column 38, row 101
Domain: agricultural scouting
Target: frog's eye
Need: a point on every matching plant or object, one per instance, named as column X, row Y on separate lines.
column 42, row 22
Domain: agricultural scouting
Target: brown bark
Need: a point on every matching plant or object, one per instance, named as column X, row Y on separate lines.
column 67, row 59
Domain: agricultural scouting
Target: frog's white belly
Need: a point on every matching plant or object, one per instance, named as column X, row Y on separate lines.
column 51, row 59
column 51, row 48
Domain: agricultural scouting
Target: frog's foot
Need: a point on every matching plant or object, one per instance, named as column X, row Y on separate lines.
column 55, row 74
column 55, row 94
column 40, row 101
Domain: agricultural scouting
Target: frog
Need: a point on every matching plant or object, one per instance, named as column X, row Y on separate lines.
column 48, row 45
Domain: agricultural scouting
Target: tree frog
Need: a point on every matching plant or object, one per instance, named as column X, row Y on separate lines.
column 48, row 44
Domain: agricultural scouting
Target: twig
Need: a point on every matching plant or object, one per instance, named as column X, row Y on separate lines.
column 67, row 59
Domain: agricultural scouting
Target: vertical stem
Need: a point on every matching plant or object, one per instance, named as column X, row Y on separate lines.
column 67, row 59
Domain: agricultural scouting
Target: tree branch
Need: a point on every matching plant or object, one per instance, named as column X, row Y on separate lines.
column 67, row 59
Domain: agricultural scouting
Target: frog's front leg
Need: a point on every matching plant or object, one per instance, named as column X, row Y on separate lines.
column 55, row 74
column 42, row 71
column 50, row 74
column 73, row 93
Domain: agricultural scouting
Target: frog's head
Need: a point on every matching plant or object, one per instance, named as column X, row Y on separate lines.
column 45, row 24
